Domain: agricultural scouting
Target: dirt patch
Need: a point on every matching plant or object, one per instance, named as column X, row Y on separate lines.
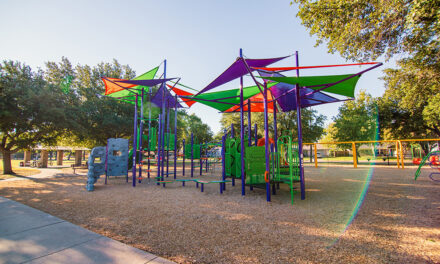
column 399, row 221
column 19, row 173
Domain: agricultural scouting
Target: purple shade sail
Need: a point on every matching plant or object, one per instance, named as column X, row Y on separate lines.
column 170, row 100
column 286, row 98
column 238, row 69
column 151, row 82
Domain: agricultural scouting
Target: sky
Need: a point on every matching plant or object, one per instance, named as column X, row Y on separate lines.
column 198, row 38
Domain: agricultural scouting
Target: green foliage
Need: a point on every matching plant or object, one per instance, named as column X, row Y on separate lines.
column 96, row 118
column 365, row 30
column 356, row 120
column 193, row 124
column 312, row 124
column 31, row 110
column 408, row 107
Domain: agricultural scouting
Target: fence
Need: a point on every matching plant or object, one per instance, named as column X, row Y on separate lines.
column 374, row 152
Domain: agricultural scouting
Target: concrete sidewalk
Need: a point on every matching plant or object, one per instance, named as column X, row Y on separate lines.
column 28, row 235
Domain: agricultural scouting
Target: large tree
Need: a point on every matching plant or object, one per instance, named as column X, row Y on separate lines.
column 32, row 110
column 366, row 30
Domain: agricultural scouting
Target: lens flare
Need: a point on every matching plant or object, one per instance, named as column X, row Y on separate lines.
column 366, row 182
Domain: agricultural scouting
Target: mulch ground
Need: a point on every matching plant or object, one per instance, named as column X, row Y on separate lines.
column 398, row 222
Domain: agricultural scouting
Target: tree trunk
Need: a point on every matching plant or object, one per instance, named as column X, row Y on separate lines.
column 7, row 165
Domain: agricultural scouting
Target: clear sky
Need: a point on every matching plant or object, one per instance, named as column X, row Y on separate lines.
column 199, row 38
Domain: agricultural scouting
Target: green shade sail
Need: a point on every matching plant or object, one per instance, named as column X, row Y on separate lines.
column 345, row 88
column 129, row 95
column 230, row 102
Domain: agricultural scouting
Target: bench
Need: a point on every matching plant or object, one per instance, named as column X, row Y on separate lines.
column 221, row 183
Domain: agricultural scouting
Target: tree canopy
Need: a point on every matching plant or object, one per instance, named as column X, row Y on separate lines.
column 32, row 110
column 365, row 30
column 356, row 120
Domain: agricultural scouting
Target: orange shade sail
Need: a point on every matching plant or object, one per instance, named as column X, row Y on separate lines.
column 112, row 87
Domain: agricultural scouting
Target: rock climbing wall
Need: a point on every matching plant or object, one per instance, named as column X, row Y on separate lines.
column 117, row 157
column 96, row 164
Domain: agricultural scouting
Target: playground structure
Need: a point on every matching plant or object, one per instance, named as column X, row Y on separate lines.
column 433, row 159
column 278, row 160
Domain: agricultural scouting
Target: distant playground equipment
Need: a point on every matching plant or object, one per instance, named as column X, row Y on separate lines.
column 261, row 165
column 433, row 160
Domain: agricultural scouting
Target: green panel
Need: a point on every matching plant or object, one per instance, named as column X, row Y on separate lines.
column 196, row 151
column 255, row 163
column 345, row 88
column 148, row 75
column 247, row 93
column 169, row 141
column 153, row 139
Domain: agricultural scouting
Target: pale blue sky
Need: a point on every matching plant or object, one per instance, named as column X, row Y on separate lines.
column 199, row 39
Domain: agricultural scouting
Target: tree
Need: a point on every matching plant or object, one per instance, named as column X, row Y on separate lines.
column 356, row 120
column 31, row 110
column 201, row 131
column 407, row 109
column 366, row 30
column 312, row 124
column 96, row 118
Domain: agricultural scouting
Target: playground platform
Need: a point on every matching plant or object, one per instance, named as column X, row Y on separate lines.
column 28, row 235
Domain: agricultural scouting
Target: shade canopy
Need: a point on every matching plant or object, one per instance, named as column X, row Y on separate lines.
column 337, row 84
column 277, row 69
column 285, row 94
column 129, row 95
column 224, row 100
column 151, row 82
column 164, row 96
column 239, row 69
column 256, row 104
column 182, row 93
column 111, row 86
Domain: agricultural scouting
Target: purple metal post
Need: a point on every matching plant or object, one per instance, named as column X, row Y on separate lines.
column 106, row 158
column 163, row 120
column 192, row 157
column 149, row 131
column 232, row 130
column 201, row 160
column 133, row 170
column 256, row 134
column 169, row 136
column 183, row 170
column 275, row 131
column 298, row 115
column 243, row 189
column 223, row 159
column 159, row 144
column 249, row 123
column 175, row 137
column 141, row 132
column 266, row 142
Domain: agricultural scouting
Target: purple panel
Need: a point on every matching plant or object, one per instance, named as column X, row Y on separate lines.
column 238, row 69
column 169, row 98
column 151, row 82
column 287, row 101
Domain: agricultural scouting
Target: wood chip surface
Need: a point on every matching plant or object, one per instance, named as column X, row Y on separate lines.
column 398, row 221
